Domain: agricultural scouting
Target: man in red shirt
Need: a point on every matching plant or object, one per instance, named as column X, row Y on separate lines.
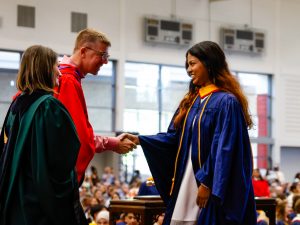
column 90, row 53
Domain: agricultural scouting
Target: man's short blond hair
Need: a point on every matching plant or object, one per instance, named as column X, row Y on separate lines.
column 89, row 35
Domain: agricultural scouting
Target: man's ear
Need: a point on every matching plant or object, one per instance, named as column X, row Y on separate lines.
column 82, row 51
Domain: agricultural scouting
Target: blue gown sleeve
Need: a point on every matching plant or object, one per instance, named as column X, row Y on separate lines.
column 160, row 152
column 228, row 168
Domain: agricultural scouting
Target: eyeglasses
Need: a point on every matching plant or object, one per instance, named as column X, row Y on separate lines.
column 103, row 55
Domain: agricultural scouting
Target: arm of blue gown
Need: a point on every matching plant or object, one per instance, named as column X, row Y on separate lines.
column 228, row 169
column 160, row 151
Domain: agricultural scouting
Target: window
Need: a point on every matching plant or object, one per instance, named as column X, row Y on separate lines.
column 8, row 90
column 257, row 88
column 174, row 85
column 141, row 113
column 152, row 94
column 9, row 65
column 99, row 95
column 9, row 60
column 141, row 98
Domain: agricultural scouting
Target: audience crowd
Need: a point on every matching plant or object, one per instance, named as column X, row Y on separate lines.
column 287, row 195
column 97, row 191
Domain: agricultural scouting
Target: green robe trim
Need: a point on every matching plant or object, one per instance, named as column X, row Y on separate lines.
column 42, row 187
column 21, row 138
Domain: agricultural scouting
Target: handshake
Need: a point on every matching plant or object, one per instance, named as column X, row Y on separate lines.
column 127, row 143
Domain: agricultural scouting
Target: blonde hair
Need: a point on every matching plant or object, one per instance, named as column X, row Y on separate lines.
column 37, row 70
column 89, row 35
column 281, row 209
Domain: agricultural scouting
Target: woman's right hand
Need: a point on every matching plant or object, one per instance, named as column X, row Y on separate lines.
column 203, row 196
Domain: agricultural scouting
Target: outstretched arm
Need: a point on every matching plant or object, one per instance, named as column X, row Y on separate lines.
column 121, row 144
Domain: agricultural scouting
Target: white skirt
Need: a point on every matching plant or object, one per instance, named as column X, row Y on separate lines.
column 186, row 210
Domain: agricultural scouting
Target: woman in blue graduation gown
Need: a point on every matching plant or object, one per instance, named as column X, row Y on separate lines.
column 202, row 165
column 38, row 150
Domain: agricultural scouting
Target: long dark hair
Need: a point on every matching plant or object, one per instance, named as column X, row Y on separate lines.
column 213, row 58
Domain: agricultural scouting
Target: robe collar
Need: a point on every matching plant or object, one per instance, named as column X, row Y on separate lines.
column 68, row 64
column 205, row 91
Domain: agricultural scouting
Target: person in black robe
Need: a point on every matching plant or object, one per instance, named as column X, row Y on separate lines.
column 38, row 150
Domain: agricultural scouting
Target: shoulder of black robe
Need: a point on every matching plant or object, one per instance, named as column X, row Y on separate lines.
column 54, row 149
column 10, row 130
column 55, row 178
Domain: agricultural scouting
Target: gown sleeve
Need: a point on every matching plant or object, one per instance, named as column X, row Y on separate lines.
column 228, row 169
column 55, row 148
column 160, row 152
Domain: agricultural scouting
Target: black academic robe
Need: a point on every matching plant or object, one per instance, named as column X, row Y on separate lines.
column 221, row 157
column 38, row 151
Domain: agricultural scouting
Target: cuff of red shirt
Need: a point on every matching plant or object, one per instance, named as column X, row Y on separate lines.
column 105, row 143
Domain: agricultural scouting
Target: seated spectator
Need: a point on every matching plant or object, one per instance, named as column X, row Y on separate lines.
column 121, row 220
column 134, row 189
column 110, row 194
column 108, row 177
column 277, row 191
column 296, row 220
column 297, row 177
column 262, row 219
column 260, row 186
column 136, row 177
column 293, row 191
column 94, row 176
column 119, row 189
column 125, row 190
column 279, row 174
column 281, row 212
column 293, row 213
column 95, row 209
column 102, row 218
column 98, row 196
column 116, row 196
column 159, row 219
column 86, row 205
column 82, row 193
column 129, row 219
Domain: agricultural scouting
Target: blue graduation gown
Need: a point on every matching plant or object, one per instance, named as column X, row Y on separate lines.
column 221, row 158
column 147, row 190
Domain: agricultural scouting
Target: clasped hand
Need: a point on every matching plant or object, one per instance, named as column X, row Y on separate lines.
column 127, row 143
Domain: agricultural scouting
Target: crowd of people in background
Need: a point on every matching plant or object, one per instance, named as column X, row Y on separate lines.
column 287, row 195
column 98, row 190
